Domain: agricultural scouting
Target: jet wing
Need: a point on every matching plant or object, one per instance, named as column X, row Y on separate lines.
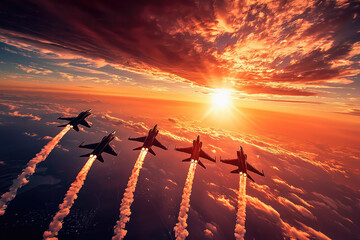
column 85, row 123
column 185, row 150
column 158, row 144
column 234, row 162
column 206, row 156
column 251, row 168
column 110, row 150
column 67, row 119
column 139, row 139
column 89, row 146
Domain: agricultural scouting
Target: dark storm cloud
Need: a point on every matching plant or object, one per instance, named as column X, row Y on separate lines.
column 202, row 42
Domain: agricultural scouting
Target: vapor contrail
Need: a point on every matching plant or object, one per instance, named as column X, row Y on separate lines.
column 180, row 228
column 241, row 213
column 71, row 195
column 119, row 229
column 22, row 179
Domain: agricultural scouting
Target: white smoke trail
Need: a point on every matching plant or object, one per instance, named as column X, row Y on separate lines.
column 180, row 229
column 241, row 213
column 71, row 195
column 22, row 179
column 128, row 198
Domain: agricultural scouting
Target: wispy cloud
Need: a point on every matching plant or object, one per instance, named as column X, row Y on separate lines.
column 222, row 199
column 274, row 216
column 34, row 70
column 296, row 208
column 282, row 182
column 23, row 115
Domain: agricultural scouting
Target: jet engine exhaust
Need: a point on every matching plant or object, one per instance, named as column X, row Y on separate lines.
column 22, row 179
column 180, row 228
column 128, row 198
column 64, row 208
column 241, row 213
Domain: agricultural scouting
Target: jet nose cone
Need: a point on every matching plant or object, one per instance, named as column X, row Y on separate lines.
column 113, row 132
column 89, row 110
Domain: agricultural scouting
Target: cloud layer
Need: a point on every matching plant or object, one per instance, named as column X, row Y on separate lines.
column 261, row 47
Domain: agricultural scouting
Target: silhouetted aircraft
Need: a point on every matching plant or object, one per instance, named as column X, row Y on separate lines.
column 242, row 164
column 100, row 147
column 149, row 141
column 80, row 119
column 196, row 152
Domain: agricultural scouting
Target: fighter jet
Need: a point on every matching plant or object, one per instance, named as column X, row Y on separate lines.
column 242, row 164
column 100, row 147
column 149, row 141
column 196, row 152
column 80, row 119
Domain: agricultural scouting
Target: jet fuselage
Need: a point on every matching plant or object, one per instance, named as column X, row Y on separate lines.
column 80, row 117
column 149, row 141
column 151, row 137
column 242, row 158
column 242, row 164
column 196, row 149
column 196, row 153
column 104, row 142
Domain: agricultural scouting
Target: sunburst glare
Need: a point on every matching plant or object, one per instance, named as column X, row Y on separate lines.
column 221, row 98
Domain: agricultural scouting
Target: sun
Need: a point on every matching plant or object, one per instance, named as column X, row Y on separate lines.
column 222, row 106
column 221, row 98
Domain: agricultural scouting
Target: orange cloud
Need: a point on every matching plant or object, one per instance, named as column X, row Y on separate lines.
column 17, row 114
column 314, row 233
column 282, row 182
column 301, row 200
column 288, row 230
column 223, row 200
column 296, row 208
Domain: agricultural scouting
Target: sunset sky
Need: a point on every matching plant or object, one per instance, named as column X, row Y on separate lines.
column 295, row 51
column 280, row 78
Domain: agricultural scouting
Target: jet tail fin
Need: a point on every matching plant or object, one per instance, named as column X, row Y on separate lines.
column 100, row 158
column 138, row 148
column 152, row 152
column 201, row 164
column 86, row 155
column 187, row 160
column 75, row 127
column 250, row 177
column 238, row 171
